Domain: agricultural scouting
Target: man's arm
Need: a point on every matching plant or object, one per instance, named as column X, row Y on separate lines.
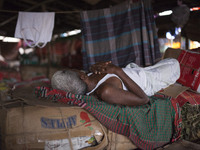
column 110, row 91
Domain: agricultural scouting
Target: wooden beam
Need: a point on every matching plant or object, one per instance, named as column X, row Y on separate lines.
column 75, row 5
column 29, row 2
column 29, row 9
column 1, row 3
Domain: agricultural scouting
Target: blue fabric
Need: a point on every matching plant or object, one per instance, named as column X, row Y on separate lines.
column 124, row 33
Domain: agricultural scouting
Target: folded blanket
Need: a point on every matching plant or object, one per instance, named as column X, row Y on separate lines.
column 148, row 126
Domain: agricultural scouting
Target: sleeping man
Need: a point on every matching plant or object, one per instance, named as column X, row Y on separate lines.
column 129, row 86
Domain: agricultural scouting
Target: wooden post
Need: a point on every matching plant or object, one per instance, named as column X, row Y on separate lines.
column 186, row 43
column 48, row 59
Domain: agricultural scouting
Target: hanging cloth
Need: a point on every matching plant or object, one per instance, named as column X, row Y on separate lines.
column 123, row 33
column 35, row 28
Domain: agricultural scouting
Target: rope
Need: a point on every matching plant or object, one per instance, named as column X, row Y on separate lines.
column 58, row 12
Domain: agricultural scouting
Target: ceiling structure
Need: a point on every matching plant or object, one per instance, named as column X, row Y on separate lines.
column 68, row 17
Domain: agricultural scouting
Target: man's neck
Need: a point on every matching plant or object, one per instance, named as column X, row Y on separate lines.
column 93, row 80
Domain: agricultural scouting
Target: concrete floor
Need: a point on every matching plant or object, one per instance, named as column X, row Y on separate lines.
column 181, row 145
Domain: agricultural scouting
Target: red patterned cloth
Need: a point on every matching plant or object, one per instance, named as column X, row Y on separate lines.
column 177, row 119
column 190, row 69
column 188, row 96
column 59, row 96
column 8, row 75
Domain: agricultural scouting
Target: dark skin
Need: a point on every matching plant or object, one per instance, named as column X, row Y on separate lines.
column 111, row 90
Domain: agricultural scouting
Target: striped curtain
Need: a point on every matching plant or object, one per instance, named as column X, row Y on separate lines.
column 124, row 33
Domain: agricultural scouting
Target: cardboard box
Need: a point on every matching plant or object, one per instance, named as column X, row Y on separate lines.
column 36, row 127
column 119, row 142
column 111, row 140
column 172, row 53
column 174, row 90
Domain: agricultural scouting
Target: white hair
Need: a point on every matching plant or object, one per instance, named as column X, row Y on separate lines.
column 69, row 81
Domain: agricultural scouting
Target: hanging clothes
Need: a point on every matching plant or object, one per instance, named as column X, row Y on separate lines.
column 123, row 34
column 35, row 28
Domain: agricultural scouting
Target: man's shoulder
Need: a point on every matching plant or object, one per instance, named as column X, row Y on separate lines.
column 114, row 81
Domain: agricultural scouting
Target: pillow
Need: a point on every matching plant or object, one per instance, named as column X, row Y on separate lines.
column 190, row 69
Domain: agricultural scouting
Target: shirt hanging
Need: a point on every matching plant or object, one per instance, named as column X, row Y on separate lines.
column 35, row 28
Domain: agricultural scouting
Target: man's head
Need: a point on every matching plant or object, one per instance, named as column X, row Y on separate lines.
column 69, row 81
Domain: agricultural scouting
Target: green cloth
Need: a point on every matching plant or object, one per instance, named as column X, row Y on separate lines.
column 148, row 126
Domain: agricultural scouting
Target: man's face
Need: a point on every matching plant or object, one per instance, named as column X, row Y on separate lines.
column 83, row 76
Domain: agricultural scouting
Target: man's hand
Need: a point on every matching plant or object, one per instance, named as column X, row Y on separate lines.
column 99, row 67
column 104, row 67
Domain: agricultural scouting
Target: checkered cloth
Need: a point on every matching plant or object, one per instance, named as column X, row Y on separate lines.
column 122, row 34
column 148, row 126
